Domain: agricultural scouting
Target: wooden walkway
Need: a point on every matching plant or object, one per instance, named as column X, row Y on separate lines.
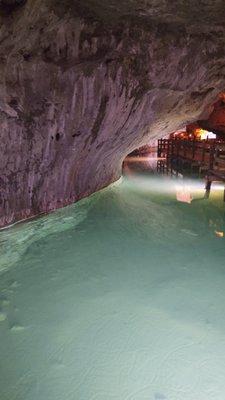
column 205, row 158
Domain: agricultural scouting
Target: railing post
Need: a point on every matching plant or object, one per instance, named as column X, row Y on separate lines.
column 203, row 152
column 159, row 148
column 208, row 188
column 212, row 156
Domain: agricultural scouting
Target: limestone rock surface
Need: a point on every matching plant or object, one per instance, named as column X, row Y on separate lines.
column 83, row 83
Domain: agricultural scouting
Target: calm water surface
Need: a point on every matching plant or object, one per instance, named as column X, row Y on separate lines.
column 119, row 297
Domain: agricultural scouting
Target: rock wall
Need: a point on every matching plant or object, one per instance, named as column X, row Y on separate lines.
column 81, row 87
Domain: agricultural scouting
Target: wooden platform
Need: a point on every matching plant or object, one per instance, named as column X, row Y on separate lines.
column 205, row 158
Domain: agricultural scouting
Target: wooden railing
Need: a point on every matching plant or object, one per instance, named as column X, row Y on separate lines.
column 206, row 154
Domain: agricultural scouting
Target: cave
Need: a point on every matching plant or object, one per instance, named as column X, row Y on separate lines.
column 112, row 175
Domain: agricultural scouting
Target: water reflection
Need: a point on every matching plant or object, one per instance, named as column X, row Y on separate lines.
column 143, row 171
column 16, row 239
column 106, row 298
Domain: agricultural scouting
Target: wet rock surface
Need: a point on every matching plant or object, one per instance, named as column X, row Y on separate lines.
column 82, row 86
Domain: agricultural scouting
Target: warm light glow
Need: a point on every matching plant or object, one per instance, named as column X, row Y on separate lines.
column 142, row 159
column 183, row 194
column 204, row 135
column 219, row 234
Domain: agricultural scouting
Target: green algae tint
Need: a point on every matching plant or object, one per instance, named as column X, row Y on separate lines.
column 119, row 297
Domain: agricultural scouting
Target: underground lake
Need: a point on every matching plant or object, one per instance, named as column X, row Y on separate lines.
column 120, row 296
column 112, row 200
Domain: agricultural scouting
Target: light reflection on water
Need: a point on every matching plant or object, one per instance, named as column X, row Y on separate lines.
column 120, row 296
column 16, row 239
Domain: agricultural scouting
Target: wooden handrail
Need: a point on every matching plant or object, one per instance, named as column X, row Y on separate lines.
column 206, row 153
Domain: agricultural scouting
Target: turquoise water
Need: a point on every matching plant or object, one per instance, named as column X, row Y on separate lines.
column 119, row 297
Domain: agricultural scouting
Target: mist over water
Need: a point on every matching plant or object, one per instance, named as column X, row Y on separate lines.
column 118, row 297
